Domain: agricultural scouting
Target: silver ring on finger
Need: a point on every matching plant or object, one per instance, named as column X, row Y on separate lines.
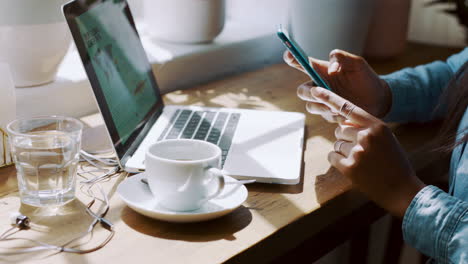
column 347, row 109
column 337, row 146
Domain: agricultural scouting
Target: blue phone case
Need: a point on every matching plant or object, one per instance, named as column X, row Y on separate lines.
column 300, row 56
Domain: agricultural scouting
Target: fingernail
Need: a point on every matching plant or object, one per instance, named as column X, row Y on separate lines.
column 303, row 92
column 315, row 91
column 334, row 67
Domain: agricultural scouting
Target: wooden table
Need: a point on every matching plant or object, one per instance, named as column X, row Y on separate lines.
column 276, row 222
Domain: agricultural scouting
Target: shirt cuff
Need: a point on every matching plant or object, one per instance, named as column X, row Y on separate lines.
column 430, row 221
column 398, row 87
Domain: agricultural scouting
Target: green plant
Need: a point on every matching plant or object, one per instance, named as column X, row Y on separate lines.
column 458, row 8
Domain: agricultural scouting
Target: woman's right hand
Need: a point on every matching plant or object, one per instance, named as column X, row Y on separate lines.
column 350, row 77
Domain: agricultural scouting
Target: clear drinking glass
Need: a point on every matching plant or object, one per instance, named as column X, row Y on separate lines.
column 46, row 154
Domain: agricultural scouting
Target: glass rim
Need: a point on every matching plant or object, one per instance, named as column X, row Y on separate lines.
column 44, row 117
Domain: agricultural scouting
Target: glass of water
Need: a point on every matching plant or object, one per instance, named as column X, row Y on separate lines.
column 46, row 154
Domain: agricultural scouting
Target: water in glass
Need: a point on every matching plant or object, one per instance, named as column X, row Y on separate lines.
column 47, row 167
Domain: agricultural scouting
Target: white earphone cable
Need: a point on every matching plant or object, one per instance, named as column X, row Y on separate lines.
column 21, row 222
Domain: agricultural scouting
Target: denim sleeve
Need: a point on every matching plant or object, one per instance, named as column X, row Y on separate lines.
column 416, row 91
column 436, row 224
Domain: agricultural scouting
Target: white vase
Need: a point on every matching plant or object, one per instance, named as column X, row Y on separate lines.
column 137, row 8
column 264, row 13
column 8, row 98
column 387, row 36
column 7, row 110
column 185, row 21
column 319, row 26
column 431, row 25
column 34, row 38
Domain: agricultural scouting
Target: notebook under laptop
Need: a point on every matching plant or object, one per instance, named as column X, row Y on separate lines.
column 263, row 145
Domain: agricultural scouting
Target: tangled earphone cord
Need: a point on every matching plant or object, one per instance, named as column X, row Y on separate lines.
column 18, row 226
column 21, row 222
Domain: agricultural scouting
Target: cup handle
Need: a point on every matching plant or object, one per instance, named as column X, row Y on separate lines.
column 219, row 176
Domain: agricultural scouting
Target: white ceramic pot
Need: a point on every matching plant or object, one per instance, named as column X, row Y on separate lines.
column 319, row 26
column 264, row 13
column 430, row 25
column 387, row 36
column 7, row 98
column 185, row 21
column 34, row 38
column 7, row 111
column 137, row 7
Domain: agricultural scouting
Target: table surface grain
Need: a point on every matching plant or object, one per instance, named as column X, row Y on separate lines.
column 247, row 233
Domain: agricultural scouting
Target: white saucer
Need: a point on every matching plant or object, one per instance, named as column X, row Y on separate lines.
column 138, row 196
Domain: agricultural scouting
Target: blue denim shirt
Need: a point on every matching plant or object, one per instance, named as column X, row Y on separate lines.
column 436, row 222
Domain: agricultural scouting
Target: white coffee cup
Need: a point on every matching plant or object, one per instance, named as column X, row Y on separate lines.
column 183, row 174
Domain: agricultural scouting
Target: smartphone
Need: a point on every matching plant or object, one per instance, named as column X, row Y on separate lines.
column 301, row 58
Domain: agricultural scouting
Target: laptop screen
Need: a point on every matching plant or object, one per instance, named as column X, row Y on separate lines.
column 117, row 67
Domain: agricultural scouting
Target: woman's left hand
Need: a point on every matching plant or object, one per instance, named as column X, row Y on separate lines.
column 367, row 152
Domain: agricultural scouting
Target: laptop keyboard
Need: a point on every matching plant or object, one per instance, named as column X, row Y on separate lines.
column 215, row 127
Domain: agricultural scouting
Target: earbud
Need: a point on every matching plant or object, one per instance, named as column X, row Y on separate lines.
column 19, row 220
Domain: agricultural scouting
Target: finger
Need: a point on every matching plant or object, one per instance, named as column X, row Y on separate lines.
column 303, row 92
column 343, row 147
column 320, row 66
column 288, row 57
column 333, row 118
column 318, row 109
column 291, row 61
column 337, row 160
column 347, row 132
column 337, row 118
column 344, row 61
column 350, row 123
column 340, row 105
column 324, row 111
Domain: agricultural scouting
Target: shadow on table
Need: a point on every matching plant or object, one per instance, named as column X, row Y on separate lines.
column 217, row 229
column 330, row 185
column 276, row 188
column 51, row 225
column 8, row 181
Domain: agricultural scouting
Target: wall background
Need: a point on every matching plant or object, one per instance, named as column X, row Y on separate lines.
column 431, row 25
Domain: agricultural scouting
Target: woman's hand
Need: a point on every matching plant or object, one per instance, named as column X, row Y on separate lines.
column 367, row 153
column 349, row 76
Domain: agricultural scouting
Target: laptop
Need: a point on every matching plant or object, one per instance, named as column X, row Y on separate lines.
column 263, row 145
